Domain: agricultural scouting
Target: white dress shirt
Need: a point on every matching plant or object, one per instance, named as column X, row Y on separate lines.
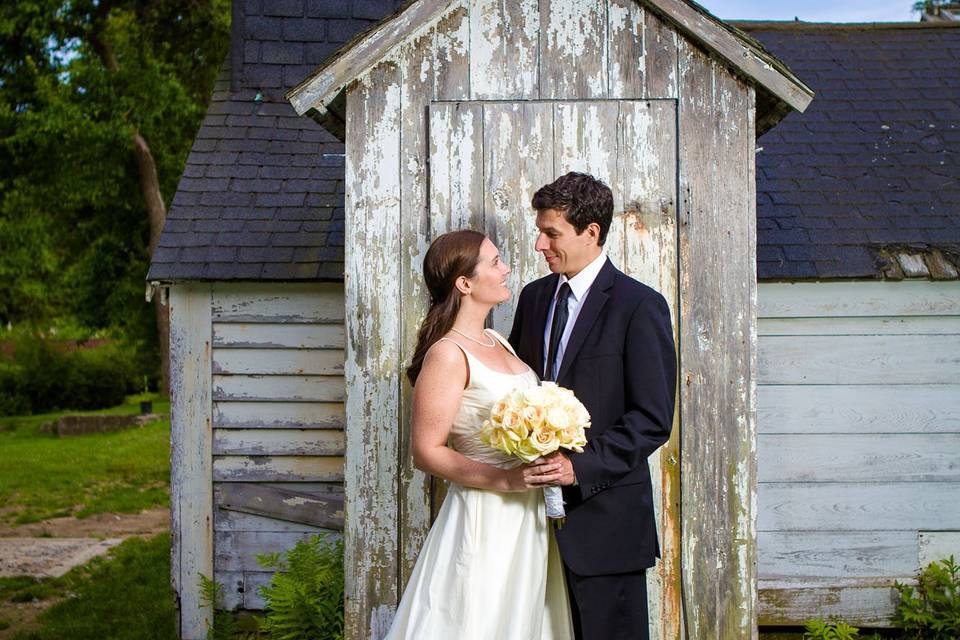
column 579, row 288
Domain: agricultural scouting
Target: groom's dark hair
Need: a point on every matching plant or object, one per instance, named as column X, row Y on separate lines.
column 582, row 199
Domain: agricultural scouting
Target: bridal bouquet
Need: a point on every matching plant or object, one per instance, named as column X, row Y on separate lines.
column 536, row 421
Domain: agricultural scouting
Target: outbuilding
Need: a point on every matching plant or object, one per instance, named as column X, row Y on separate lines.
column 451, row 115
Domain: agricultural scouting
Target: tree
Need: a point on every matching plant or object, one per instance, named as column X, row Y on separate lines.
column 99, row 104
column 930, row 6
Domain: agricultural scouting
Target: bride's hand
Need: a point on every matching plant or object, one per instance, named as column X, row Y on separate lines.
column 539, row 473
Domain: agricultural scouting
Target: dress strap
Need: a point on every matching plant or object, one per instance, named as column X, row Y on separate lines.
column 465, row 353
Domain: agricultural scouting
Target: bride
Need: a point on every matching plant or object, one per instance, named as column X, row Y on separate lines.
column 489, row 568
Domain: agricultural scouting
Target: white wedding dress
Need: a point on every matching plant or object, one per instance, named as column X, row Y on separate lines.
column 489, row 568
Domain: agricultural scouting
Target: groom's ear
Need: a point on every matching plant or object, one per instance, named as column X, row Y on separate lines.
column 593, row 231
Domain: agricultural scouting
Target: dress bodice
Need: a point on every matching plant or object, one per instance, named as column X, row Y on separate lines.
column 485, row 388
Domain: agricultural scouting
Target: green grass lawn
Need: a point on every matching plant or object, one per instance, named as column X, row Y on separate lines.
column 44, row 476
column 123, row 596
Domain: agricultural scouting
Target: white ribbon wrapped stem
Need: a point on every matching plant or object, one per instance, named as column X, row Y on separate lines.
column 554, row 499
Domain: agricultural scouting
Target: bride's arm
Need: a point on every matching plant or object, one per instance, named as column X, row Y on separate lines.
column 436, row 398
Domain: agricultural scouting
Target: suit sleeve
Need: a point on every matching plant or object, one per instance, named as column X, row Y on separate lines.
column 650, row 372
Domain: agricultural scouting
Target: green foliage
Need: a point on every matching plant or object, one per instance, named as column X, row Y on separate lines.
column 930, row 6
column 931, row 610
column 77, row 79
column 820, row 630
column 29, row 589
column 126, row 595
column 305, row 600
column 46, row 374
column 228, row 625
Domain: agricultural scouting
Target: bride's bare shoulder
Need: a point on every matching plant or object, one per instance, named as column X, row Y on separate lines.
column 445, row 358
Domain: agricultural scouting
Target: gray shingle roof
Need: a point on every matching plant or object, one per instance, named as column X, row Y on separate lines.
column 261, row 197
column 871, row 170
column 874, row 162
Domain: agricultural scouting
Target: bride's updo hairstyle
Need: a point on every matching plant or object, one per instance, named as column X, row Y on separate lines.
column 450, row 256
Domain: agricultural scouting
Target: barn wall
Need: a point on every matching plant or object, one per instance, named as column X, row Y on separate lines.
column 503, row 75
column 859, row 445
column 263, row 418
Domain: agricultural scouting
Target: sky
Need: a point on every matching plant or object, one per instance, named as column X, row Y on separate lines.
column 814, row 10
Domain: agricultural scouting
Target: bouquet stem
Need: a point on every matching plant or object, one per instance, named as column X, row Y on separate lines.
column 554, row 499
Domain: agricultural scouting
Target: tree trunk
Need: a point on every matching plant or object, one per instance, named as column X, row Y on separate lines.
column 149, row 187
column 157, row 212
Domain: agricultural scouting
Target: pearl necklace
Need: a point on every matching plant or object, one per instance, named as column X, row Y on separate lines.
column 493, row 341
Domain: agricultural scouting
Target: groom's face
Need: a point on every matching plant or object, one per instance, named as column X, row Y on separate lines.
column 565, row 250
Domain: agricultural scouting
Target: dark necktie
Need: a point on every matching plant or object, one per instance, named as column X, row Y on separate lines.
column 560, row 313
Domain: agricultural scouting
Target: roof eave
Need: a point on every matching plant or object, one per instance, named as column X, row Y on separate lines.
column 741, row 52
column 359, row 55
column 744, row 54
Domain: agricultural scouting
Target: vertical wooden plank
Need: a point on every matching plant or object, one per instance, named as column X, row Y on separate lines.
column 717, row 326
column 737, row 440
column 456, row 188
column 626, row 20
column 701, row 358
column 573, row 49
column 451, row 55
column 191, row 459
column 456, row 167
column 417, row 69
column 648, row 182
column 518, row 160
column 660, row 43
column 585, row 140
column 504, row 51
column 747, row 537
column 371, row 264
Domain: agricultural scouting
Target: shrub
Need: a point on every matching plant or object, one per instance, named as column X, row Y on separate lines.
column 13, row 399
column 931, row 610
column 39, row 374
column 305, row 602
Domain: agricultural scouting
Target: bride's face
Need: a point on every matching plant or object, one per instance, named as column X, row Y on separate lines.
column 489, row 283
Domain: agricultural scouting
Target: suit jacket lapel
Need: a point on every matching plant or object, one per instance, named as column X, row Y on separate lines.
column 541, row 308
column 596, row 299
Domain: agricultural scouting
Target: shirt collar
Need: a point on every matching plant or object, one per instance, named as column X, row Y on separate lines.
column 580, row 283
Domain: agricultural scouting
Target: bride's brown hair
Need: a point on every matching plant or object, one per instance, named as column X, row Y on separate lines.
column 450, row 256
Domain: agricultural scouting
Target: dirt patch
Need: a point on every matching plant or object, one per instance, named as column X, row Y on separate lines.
column 101, row 525
column 53, row 546
column 49, row 557
column 22, row 616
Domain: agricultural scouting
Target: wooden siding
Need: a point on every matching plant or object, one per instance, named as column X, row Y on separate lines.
column 717, row 348
column 859, row 445
column 653, row 114
column 277, row 388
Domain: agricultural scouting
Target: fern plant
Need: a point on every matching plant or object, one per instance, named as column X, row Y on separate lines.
column 227, row 625
column 304, row 600
column 931, row 610
column 820, row 630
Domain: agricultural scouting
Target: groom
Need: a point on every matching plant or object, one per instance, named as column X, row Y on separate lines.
column 607, row 337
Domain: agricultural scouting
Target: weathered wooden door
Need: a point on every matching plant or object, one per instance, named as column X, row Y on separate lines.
column 486, row 161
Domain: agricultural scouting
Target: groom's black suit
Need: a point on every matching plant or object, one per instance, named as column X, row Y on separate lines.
column 620, row 361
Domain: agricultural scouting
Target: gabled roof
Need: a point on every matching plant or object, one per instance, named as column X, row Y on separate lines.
column 321, row 94
column 261, row 197
column 866, row 182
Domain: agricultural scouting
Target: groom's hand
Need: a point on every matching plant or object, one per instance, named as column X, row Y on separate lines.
column 564, row 474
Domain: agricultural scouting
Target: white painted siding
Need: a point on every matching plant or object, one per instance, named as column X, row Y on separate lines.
column 859, row 442
column 277, row 390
